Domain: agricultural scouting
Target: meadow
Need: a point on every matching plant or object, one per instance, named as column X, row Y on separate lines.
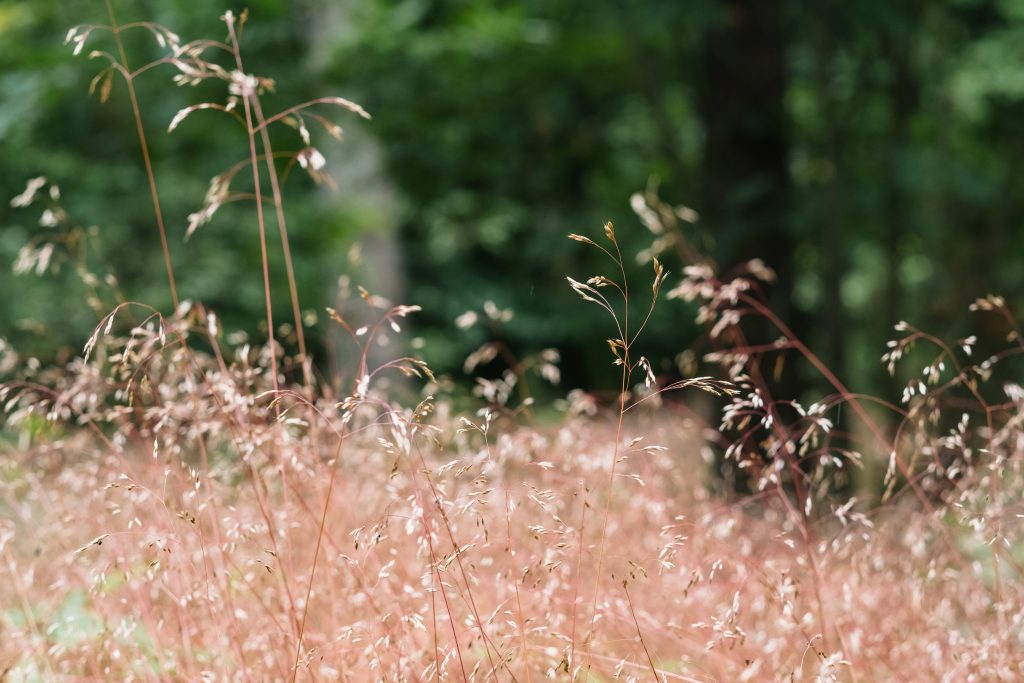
column 184, row 503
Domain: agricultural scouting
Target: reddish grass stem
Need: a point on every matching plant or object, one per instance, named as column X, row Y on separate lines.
column 144, row 145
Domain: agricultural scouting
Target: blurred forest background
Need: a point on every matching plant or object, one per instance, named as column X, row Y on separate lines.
column 869, row 151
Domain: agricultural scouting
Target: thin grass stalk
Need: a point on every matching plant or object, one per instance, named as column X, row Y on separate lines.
column 485, row 639
column 639, row 632
column 316, row 551
column 144, row 145
column 254, row 164
column 165, row 249
column 571, row 662
column 293, row 291
column 272, row 344
column 624, row 387
column 436, row 573
column 520, row 623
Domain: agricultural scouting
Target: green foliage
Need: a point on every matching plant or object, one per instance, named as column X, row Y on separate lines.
column 51, row 128
column 506, row 126
column 500, row 127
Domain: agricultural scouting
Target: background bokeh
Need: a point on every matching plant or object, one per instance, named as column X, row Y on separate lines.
column 869, row 151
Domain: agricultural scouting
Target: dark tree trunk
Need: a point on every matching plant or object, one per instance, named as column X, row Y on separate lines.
column 745, row 173
column 903, row 97
column 832, row 212
column 745, row 181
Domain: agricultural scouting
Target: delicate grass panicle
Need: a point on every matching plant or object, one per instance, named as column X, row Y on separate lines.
column 180, row 504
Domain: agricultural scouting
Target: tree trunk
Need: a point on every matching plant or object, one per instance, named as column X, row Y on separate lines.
column 745, row 171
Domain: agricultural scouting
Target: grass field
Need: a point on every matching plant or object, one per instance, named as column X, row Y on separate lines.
column 467, row 555
column 180, row 505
